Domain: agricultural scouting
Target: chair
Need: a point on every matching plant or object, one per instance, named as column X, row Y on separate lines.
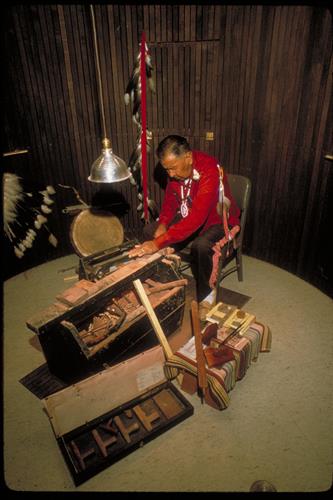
column 240, row 187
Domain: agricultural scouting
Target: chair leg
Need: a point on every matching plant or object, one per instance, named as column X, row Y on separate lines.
column 239, row 262
column 219, row 277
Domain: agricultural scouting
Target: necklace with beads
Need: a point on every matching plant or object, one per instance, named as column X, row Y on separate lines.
column 185, row 189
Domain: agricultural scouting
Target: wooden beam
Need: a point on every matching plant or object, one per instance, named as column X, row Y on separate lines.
column 153, row 318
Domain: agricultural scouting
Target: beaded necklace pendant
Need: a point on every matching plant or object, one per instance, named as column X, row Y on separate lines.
column 184, row 210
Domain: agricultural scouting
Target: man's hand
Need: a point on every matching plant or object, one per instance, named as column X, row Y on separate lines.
column 146, row 248
column 161, row 229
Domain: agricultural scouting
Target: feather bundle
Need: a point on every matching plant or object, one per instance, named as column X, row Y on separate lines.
column 18, row 252
column 15, row 209
column 45, row 209
column 53, row 240
column 47, row 200
column 12, row 195
column 41, row 219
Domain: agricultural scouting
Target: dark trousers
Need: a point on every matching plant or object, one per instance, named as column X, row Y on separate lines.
column 201, row 254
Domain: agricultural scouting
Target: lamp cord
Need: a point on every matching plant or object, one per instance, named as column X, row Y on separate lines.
column 99, row 79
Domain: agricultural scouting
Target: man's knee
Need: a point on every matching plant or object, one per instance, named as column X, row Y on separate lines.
column 201, row 246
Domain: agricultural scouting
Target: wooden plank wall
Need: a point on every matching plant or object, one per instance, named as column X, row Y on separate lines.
column 258, row 77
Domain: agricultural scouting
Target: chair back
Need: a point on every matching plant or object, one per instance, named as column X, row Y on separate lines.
column 240, row 187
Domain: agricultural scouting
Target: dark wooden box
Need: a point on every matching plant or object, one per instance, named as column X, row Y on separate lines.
column 96, row 424
column 99, row 264
column 62, row 327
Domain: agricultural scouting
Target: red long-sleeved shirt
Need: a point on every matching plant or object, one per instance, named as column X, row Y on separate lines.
column 204, row 194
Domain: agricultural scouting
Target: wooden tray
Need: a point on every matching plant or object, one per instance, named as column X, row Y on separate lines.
column 96, row 424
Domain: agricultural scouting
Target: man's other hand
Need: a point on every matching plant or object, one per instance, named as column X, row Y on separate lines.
column 146, row 248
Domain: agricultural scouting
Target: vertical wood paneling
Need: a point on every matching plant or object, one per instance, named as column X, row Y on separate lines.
column 187, row 89
column 187, row 23
column 195, row 125
column 322, row 138
column 283, row 136
column 27, row 65
column 257, row 76
column 181, row 24
column 70, row 69
column 175, row 91
column 169, row 69
column 272, row 106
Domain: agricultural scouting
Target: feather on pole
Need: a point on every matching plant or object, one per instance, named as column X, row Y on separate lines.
column 144, row 125
column 135, row 94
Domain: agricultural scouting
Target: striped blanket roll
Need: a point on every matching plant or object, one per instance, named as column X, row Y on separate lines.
column 184, row 360
column 222, row 380
column 246, row 348
column 265, row 336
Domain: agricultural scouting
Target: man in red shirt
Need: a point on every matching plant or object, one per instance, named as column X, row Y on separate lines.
column 189, row 210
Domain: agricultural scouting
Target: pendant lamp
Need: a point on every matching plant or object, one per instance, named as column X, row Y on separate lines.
column 108, row 167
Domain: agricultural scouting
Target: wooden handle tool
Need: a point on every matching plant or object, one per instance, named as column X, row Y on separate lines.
column 153, row 318
column 167, row 286
column 201, row 364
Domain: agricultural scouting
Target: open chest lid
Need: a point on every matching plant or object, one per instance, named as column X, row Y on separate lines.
column 88, row 399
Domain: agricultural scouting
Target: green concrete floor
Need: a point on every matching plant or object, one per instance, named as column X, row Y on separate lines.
column 278, row 426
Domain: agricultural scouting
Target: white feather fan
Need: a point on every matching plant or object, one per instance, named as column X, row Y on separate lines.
column 12, row 195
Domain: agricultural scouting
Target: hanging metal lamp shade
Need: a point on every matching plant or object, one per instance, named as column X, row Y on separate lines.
column 108, row 167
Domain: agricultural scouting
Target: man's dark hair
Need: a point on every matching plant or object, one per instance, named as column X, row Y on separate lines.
column 172, row 144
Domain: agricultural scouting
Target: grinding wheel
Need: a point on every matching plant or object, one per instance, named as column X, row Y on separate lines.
column 95, row 231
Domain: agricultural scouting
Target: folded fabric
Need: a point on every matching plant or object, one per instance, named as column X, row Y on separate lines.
column 225, row 364
column 218, row 356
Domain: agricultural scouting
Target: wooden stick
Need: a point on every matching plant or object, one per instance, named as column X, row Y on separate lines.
column 233, row 333
column 153, row 318
column 201, row 364
column 166, row 286
column 69, row 278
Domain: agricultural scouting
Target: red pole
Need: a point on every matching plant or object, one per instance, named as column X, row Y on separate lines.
column 144, row 125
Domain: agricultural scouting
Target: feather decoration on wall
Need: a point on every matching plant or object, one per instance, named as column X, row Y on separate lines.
column 12, row 196
column 21, row 220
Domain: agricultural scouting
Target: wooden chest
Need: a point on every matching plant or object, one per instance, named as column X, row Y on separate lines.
column 96, row 424
column 93, row 325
